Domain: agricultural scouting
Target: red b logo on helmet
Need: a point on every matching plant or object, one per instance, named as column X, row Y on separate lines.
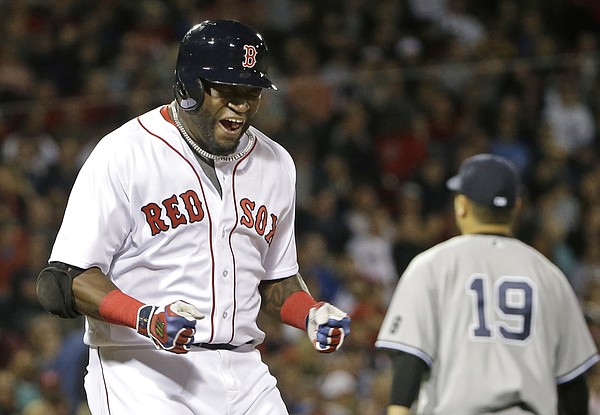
column 249, row 56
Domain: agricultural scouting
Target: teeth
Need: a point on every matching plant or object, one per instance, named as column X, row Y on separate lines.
column 232, row 124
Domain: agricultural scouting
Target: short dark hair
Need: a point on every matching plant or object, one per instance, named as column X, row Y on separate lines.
column 492, row 215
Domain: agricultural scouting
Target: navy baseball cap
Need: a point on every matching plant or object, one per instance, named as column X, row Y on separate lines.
column 487, row 179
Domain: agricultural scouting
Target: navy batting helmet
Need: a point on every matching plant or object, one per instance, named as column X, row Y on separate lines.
column 221, row 52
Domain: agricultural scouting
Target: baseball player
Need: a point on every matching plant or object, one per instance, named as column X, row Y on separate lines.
column 483, row 323
column 179, row 228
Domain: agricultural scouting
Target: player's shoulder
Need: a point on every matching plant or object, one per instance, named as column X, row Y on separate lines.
column 427, row 262
column 523, row 252
column 121, row 145
column 270, row 148
column 458, row 246
column 443, row 248
column 131, row 132
column 471, row 245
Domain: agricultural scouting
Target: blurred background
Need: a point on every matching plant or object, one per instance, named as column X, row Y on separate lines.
column 379, row 102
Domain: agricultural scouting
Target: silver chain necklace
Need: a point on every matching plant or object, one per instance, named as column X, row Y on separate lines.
column 206, row 154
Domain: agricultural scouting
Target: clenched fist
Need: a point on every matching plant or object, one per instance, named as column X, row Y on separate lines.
column 171, row 327
column 327, row 327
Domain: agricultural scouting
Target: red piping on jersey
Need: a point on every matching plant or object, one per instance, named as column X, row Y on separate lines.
column 237, row 217
column 103, row 379
column 165, row 114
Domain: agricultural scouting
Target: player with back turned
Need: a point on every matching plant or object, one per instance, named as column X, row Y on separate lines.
column 178, row 230
column 483, row 323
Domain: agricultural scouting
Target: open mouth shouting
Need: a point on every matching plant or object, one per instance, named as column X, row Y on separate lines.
column 232, row 125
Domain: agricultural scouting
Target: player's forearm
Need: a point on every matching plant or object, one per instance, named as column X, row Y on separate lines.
column 275, row 293
column 408, row 371
column 89, row 289
column 289, row 301
column 574, row 396
column 170, row 327
column 397, row 410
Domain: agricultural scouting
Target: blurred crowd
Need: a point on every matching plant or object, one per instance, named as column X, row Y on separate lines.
column 379, row 102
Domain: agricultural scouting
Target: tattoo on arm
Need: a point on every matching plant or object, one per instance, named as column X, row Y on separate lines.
column 274, row 293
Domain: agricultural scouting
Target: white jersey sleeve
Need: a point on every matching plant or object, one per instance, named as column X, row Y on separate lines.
column 281, row 260
column 411, row 323
column 97, row 217
column 576, row 352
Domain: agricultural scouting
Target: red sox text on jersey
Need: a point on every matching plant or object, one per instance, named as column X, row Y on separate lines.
column 169, row 214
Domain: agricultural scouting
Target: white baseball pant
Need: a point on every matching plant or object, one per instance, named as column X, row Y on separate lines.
column 143, row 380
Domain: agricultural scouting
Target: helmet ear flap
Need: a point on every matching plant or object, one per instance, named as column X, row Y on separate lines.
column 189, row 93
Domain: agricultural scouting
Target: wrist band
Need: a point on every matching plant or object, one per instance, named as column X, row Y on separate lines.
column 295, row 309
column 119, row 308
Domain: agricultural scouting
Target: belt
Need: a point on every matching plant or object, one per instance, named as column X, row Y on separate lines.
column 219, row 346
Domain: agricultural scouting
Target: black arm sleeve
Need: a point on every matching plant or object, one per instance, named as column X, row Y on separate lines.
column 406, row 379
column 573, row 397
column 54, row 289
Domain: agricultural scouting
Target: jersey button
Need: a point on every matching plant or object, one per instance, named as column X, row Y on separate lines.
column 225, row 315
column 225, row 273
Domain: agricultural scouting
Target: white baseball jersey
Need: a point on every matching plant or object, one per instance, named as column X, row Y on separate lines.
column 143, row 211
column 497, row 323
